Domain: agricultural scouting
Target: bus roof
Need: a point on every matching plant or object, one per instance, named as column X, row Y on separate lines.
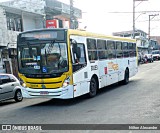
column 44, row 29
column 90, row 34
column 86, row 34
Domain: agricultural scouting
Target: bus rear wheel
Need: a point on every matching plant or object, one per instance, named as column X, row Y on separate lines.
column 93, row 87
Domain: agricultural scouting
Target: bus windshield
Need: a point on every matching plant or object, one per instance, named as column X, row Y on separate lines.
column 43, row 58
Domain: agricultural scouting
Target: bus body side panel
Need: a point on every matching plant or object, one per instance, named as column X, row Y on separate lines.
column 80, row 77
column 112, row 76
column 108, row 72
column 133, row 66
column 121, row 68
column 103, row 71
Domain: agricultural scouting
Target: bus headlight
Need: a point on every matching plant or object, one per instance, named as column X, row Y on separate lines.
column 23, row 84
column 66, row 82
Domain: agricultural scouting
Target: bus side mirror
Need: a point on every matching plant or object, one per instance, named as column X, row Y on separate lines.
column 74, row 45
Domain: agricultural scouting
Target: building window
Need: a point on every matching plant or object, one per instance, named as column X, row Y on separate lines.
column 14, row 22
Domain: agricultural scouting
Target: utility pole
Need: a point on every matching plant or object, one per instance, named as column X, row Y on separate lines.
column 72, row 19
column 133, row 19
column 149, row 25
column 134, row 15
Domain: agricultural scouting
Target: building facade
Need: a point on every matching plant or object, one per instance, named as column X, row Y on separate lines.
column 12, row 23
column 17, row 16
column 157, row 39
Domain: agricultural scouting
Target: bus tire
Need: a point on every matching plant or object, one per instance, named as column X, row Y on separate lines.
column 18, row 96
column 126, row 77
column 93, row 87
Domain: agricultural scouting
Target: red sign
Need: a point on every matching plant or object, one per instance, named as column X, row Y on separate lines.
column 105, row 70
column 51, row 23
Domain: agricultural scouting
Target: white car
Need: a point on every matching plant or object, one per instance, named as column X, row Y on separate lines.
column 156, row 55
column 10, row 88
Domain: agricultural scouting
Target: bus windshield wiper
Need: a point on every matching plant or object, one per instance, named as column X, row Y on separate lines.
column 50, row 47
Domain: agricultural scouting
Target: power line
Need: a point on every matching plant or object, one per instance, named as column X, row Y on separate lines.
column 135, row 12
column 148, row 20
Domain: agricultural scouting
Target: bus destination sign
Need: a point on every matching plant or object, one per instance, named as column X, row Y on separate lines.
column 58, row 35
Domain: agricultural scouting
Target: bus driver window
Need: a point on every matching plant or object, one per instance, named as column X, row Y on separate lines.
column 78, row 55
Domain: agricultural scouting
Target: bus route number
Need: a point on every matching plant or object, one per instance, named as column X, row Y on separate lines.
column 95, row 67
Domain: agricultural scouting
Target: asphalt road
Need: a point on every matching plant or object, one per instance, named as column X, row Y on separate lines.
column 137, row 102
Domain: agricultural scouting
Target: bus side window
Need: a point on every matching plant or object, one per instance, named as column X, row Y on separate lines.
column 78, row 59
column 125, row 49
column 119, row 50
column 134, row 50
column 130, row 47
column 82, row 57
column 92, row 49
column 111, row 49
column 102, row 49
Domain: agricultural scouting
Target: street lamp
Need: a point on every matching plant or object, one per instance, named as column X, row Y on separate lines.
column 149, row 26
column 139, row 15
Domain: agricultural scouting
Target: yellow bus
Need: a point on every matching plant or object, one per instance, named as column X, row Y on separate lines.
column 66, row 63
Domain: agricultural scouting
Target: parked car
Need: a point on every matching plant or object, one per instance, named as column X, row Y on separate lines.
column 149, row 57
column 10, row 88
column 156, row 55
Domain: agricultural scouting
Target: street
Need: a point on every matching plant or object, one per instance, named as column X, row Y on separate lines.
column 135, row 103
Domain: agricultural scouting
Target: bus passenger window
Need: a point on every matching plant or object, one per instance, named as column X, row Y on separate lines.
column 111, row 49
column 102, row 49
column 125, row 49
column 134, row 50
column 92, row 49
column 131, row 51
column 92, row 55
column 119, row 50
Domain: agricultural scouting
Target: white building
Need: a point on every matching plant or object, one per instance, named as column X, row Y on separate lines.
column 22, row 15
column 12, row 22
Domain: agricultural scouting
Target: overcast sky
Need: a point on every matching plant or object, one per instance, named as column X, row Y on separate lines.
column 98, row 15
column 99, row 18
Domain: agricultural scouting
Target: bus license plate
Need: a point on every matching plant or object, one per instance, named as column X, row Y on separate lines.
column 44, row 92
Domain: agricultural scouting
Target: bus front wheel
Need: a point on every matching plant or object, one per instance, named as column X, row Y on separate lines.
column 93, row 87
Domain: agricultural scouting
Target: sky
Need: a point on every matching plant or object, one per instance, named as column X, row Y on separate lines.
column 108, row 16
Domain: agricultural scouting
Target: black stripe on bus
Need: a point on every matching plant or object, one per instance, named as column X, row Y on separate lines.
column 44, row 82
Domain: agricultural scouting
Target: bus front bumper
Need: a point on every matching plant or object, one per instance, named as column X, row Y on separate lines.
column 60, row 93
